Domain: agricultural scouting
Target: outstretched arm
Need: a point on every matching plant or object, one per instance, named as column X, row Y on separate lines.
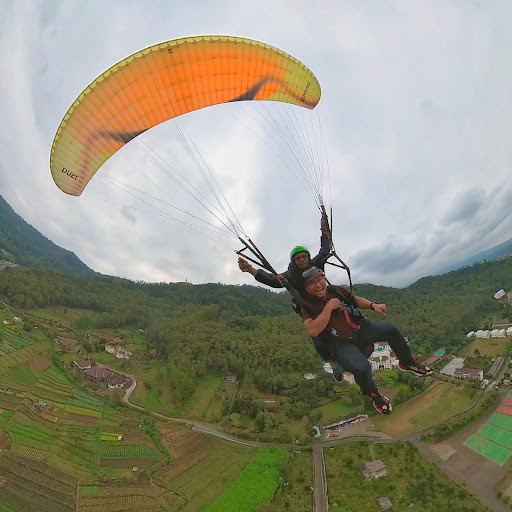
column 260, row 275
column 363, row 303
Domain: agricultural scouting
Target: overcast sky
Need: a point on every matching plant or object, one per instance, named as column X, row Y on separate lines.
column 416, row 112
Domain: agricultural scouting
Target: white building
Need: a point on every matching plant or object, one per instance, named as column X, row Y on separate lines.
column 499, row 294
column 509, row 331
column 471, row 334
column 469, row 373
column 381, row 358
column 452, row 366
column 498, row 333
column 381, row 362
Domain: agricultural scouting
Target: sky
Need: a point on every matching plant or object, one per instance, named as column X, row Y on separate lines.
column 415, row 111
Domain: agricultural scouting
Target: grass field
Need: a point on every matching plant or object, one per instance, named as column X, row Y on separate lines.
column 335, row 410
column 439, row 402
column 410, row 479
column 490, row 347
column 159, row 397
column 488, row 449
column 206, row 403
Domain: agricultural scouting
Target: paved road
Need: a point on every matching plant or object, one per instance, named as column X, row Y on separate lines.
column 320, row 490
column 321, row 503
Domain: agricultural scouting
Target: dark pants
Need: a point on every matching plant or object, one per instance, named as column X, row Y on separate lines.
column 322, row 348
column 349, row 353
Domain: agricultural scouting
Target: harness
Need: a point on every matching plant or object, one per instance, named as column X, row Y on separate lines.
column 297, row 301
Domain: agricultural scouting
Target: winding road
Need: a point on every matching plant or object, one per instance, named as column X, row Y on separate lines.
column 320, row 482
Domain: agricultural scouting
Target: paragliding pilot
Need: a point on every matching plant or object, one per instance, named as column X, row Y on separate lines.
column 300, row 260
column 337, row 319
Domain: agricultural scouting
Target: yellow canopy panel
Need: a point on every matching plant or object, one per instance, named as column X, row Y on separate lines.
column 165, row 81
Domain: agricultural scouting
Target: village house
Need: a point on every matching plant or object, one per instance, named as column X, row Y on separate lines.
column 232, row 379
column 375, row 469
column 83, row 365
column 118, row 381
column 385, row 503
column 499, row 294
column 98, row 374
column 469, row 373
column 119, row 352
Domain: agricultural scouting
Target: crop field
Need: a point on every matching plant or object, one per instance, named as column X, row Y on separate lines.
column 17, row 379
column 294, row 492
column 185, row 448
column 37, row 364
column 17, row 357
column 120, row 498
column 199, row 485
column 34, row 487
column 255, row 485
column 111, row 449
column 410, row 479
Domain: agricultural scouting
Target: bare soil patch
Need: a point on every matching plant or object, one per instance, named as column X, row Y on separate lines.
column 76, row 418
column 186, row 449
column 37, row 364
column 137, row 438
column 4, row 439
column 141, row 462
column 11, row 406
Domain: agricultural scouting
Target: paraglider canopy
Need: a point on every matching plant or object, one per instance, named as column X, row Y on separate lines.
column 165, row 81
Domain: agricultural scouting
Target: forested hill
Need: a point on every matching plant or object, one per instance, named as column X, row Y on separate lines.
column 24, row 245
column 434, row 311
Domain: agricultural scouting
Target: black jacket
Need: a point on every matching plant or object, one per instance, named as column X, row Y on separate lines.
column 294, row 273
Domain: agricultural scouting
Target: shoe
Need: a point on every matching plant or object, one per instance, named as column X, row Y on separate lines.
column 381, row 403
column 337, row 373
column 416, row 368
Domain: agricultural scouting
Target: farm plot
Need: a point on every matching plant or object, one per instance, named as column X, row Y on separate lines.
column 32, row 486
column 17, row 379
column 119, row 498
column 254, row 486
column 118, row 449
column 199, row 485
column 82, row 399
column 185, row 448
column 38, row 364
column 14, row 339
column 19, row 356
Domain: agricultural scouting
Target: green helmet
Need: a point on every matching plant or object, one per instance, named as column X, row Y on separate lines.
column 296, row 250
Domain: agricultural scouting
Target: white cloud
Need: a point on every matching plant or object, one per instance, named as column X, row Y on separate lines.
column 415, row 112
